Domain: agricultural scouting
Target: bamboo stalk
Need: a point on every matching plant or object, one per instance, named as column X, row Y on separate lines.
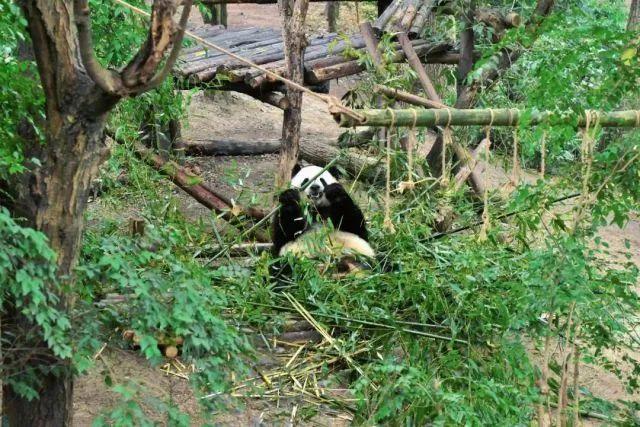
column 485, row 117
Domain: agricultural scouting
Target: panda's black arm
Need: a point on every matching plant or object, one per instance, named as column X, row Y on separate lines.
column 344, row 212
column 290, row 221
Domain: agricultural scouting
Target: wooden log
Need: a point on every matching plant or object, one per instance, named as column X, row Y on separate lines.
column 365, row 167
column 484, row 117
column 260, row 55
column 275, row 98
column 371, row 42
column 416, row 65
column 467, row 44
column 207, row 54
column 354, row 42
column 294, row 13
column 357, row 139
column 421, row 18
column 408, row 97
column 497, row 20
column 380, row 24
column 407, row 20
column 203, row 194
column 396, row 17
column 475, row 166
column 230, row 148
column 343, row 69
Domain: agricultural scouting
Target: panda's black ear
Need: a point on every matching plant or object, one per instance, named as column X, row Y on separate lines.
column 296, row 169
column 333, row 170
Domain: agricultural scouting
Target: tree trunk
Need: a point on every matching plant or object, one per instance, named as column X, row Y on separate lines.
column 293, row 14
column 52, row 195
column 331, row 10
column 634, row 16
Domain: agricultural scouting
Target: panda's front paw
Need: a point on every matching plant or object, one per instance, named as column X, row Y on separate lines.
column 335, row 192
column 289, row 197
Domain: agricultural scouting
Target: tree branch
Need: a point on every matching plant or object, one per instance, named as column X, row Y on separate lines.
column 107, row 80
column 137, row 73
column 175, row 51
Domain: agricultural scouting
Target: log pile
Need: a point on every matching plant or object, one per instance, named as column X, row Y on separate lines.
column 405, row 16
column 325, row 57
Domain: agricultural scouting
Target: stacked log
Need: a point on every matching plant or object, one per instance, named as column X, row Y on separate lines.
column 324, row 57
column 405, row 16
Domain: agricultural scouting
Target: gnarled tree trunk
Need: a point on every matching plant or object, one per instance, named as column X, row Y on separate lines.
column 52, row 196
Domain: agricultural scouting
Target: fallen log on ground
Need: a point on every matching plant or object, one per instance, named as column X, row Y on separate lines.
column 357, row 165
column 192, row 185
column 212, row 147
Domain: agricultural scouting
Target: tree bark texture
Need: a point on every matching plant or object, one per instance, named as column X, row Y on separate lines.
column 634, row 16
column 294, row 13
column 52, row 196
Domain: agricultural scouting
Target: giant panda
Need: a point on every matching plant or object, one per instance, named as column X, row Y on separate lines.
column 336, row 226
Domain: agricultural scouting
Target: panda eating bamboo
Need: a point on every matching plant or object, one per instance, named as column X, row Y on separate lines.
column 346, row 236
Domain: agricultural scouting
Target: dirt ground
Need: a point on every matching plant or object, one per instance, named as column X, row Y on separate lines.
column 235, row 116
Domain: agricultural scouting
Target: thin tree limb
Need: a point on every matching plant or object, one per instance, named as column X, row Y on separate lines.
column 175, row 51
column 107, row 80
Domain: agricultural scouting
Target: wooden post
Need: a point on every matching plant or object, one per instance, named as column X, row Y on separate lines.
column 467, row 42
column 136, row 225
column 332, row 9
column 293, row 14
column 371, row 42
column 217, row 14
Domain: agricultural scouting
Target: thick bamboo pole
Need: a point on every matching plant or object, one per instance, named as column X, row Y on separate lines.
column 485, row 117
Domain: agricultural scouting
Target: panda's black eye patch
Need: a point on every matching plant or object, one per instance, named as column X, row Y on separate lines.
column 304, row 181
column 323, row 182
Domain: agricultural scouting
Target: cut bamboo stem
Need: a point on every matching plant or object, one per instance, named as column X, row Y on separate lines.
column 484, row 117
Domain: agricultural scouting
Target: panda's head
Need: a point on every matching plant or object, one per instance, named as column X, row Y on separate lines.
column 301, row 175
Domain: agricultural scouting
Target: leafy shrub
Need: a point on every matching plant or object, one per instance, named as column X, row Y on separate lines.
column 30, row 286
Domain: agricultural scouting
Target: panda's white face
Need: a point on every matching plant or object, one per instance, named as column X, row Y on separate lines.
column 315, row 191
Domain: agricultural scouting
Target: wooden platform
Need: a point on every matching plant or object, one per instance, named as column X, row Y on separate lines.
column 327, row 56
